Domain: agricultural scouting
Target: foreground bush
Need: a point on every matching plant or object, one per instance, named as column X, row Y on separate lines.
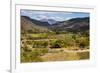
column 83, row 42
column 31, row 56
column 56, row 43
column 40, row 44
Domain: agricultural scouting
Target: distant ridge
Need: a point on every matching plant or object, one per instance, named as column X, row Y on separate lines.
column 72, row 25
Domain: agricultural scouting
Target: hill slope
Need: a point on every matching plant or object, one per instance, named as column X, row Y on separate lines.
column 29, row 25
column 73, row 25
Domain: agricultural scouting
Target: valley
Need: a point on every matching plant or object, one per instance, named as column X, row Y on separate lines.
column 62, row 41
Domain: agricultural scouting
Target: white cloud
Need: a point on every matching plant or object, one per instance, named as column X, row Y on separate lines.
column 59, row 16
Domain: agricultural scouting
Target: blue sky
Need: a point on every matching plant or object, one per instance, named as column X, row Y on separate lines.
column 58, row 16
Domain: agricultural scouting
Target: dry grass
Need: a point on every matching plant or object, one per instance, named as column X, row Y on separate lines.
column 66, row 56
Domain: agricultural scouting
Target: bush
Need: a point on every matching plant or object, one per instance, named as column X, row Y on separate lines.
column 29, row 42
column 30, row 31
column 40, row 44
column 56, row 43
column 26, row 49
column 32, row 56
column 69, row 40
column 83, row 42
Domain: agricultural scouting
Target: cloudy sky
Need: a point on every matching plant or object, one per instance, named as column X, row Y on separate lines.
column 58, row 16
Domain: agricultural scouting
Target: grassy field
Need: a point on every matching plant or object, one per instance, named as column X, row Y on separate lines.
column 42, row 47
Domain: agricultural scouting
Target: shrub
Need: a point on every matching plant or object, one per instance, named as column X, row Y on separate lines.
column 74, row 36
column 69, row 40
column 32, row 56
column 26, row 49
column 30, row 31
column 56, row 43
column 83, row 42
column 29, row 42
column 40, row 44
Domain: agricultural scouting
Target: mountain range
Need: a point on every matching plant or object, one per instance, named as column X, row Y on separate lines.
column 72, row 25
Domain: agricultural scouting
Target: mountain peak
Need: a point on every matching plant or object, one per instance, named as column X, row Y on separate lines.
column 49, row 21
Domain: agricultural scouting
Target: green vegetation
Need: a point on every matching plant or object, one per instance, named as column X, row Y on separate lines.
column 56, row 43
column 53, row 46
column 32, row 56
column 40, row 44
